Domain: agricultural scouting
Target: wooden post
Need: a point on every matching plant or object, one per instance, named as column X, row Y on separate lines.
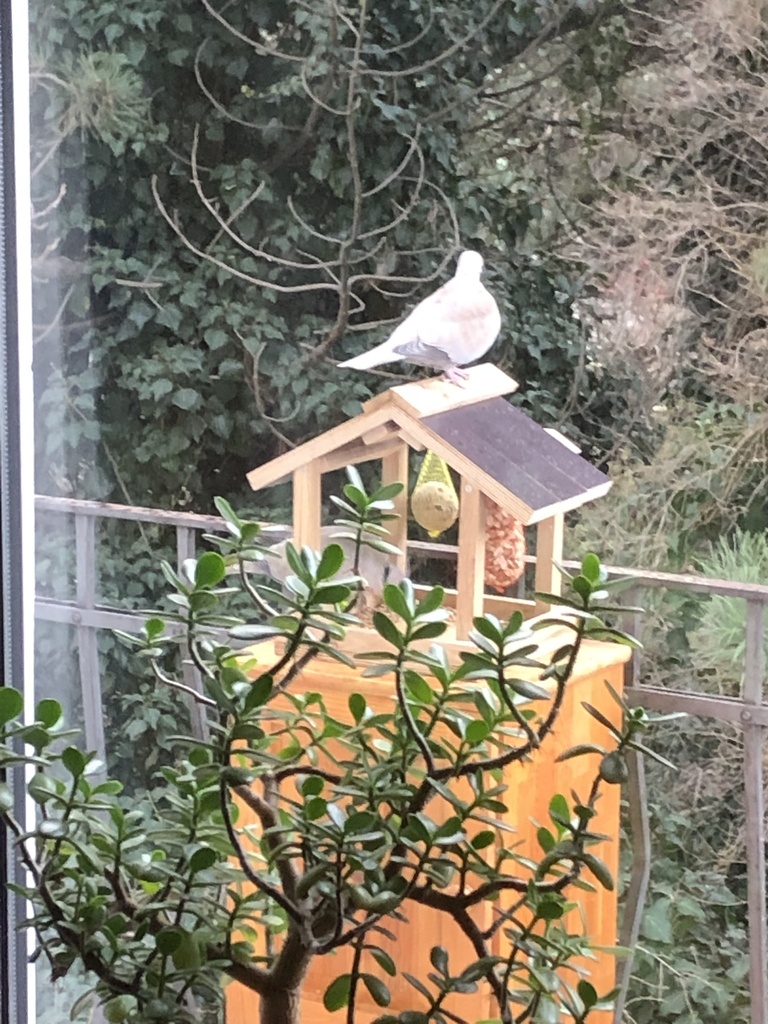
column 471, row 564
column 394, row 469
column 307, row 506
column 549, row 549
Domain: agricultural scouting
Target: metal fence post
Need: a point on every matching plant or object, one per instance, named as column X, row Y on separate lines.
column 87, row 642
column 185, row 548
column 637, row 890
column 754, row 807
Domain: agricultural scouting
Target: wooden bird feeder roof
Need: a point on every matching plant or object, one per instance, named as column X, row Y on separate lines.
column 529, row 471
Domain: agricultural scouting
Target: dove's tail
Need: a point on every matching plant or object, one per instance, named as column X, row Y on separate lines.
column 376, row 356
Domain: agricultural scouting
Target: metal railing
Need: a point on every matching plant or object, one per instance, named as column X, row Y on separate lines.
column 748, row 710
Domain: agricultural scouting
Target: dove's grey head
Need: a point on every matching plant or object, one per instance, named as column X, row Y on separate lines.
column 470, row 264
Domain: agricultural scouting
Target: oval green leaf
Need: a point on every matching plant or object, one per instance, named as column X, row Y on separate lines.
column 202, row 859
column 11, row 704
column 387, row 629
column 337, row 994
column 590, row 568
column 331, row 561
column 377, row 988
column 210, row 569
column 476, row 732
column 48, row 712
column 357, row 706
column 74, row 761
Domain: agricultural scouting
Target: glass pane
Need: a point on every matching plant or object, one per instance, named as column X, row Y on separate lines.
column 228, row 199
column 120, row 362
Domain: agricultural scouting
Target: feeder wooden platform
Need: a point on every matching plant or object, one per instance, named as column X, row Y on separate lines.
column 531, row 786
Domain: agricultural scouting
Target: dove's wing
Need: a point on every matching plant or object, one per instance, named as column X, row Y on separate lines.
column 452, row 327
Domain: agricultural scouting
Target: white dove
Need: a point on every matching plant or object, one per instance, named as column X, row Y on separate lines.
column 451, row 327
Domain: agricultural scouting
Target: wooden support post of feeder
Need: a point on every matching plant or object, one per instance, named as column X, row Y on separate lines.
column 471, row 564
column 394, row 470
column 307, row 505
column 549, row 554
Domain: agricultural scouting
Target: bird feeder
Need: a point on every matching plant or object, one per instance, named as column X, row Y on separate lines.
column 503, row 456
column 499, row 453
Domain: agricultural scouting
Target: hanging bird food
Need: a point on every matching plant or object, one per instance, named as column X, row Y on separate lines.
column 434, row 502
column 504, row 548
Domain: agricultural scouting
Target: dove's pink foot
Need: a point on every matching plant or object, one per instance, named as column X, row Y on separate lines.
column 456, row 375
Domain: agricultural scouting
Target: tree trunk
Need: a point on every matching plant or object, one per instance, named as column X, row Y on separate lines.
column 280, row 1006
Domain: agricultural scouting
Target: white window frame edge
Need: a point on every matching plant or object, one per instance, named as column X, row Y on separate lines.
column 16, row 431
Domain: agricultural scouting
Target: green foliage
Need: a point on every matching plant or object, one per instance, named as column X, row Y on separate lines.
column 161, row 377
column 151, row 352
column 692, row 959
column 719, row 644
column 704, row 474
column 292, row 832
column 140, row 720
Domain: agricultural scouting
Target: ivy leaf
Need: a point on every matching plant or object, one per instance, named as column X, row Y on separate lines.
column 187, row 398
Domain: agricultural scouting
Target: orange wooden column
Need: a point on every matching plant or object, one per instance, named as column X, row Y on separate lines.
column 471, row 564
column 531, row 786
column 307, row 506
column 394, row 469
column 549, row 553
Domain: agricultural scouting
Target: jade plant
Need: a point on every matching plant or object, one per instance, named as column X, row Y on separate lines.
column 288, row 832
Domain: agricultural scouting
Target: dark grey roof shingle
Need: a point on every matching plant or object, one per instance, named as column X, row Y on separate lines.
column 516, row 452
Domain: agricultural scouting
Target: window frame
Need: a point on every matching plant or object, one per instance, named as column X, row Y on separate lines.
column 16, row 472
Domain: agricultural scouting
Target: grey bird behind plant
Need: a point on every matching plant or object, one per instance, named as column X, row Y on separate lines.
column 376, row 568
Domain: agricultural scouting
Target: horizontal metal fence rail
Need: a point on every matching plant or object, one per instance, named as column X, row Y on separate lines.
column 749, row 710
